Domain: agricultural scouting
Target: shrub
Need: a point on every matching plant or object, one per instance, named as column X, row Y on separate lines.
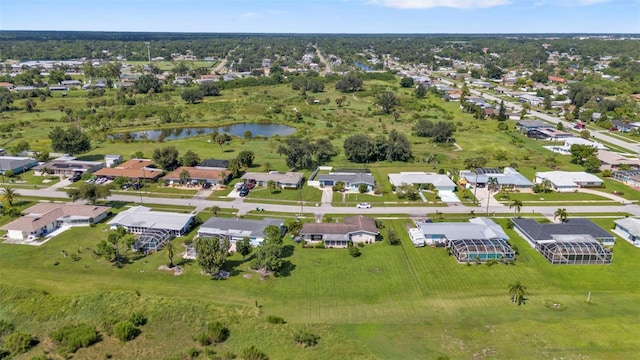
column 18, row 343
column 217, row 332
column 306, row 338
column 354, row 251
column 73, row 337
column 138, row 319
column 203, row 339
column 125, row 331
column 193, row 352
column 5, row 327
column 252, row 353
column 272, row 319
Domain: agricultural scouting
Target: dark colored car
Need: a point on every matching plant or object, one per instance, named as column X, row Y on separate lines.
column 243, row 192
column 75, row 178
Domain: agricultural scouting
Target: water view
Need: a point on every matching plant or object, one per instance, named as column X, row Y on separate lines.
column 266, row 130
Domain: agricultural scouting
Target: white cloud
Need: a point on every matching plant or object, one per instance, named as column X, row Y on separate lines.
column 570, row 2
column 459, row 4
column 276, row 12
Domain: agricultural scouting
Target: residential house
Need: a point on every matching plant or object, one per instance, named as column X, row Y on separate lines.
column 568, row 181
column 575, row 241
column 531, row 99
column 288, row 180
column 139, row 219
column 480, row 239
column 629, row 177
column 16, row 164
column 623, row 126
column 354, row 229
column 351, row 180
column 549, row 134
column 133, row 169
column 198, row 175
column 68, row 166
column 628, row 229
column 44, row 218
column 610, row 160
column 238, row 229
column 565, row 148
column 507, row 178
column 556, row 79
column 527, row 125
column 6, row 85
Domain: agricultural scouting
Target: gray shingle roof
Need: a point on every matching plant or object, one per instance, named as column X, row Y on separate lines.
column 539, row 232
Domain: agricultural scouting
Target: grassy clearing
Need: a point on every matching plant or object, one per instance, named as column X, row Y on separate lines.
column 432, row 305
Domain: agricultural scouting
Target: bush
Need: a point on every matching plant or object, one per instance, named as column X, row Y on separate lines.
column 138, row 319
column 203, row 339
column 73, row 337
column 306, row 338
column 252, row 353
column 18, row 343
column 193, row 352
column 272, row 319
column 217, row 332
column 354, row 251
column 5, row 327
column 125, row 331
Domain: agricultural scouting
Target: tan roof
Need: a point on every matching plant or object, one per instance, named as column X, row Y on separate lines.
column 612, row 158
column 32, row 222
column 351, row 224
column 43, row 214
column 134, row 168
column 198, row 173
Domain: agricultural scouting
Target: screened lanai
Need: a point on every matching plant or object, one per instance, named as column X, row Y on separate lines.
column 466, row 250
column 575, row 252
column 151, row 240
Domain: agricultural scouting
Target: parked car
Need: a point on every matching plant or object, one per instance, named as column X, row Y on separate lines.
column 243, row 192
column 125, row 186
column 364, row 206
column 75, row 178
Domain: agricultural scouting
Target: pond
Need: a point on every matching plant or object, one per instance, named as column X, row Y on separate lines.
column 362, row 66
column 266, row 130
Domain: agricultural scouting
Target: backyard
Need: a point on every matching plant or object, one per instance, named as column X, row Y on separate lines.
column 433, row 305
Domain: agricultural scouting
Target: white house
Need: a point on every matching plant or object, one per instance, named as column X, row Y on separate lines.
column 238, row 229
column 422, row 180
column 139, row 219
column 628, row 229
column 354, row 229
column 43, row 218
column 568, row 181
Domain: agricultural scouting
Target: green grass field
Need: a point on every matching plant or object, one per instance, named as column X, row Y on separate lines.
column 390, row 303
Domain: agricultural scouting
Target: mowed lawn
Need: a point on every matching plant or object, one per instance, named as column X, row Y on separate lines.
column 392, row 302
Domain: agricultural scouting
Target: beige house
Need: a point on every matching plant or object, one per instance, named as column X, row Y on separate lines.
column 43, row 218
column 355, row 229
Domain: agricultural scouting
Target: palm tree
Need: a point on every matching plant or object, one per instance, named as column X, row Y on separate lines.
column 9, row 195
column 546, row 185
column 215, row 210
column 170, row 252
column 516, row 291
column 271, row 185
column 561, row 214
column 492, row 184
column 517, row 205
column 184, row 176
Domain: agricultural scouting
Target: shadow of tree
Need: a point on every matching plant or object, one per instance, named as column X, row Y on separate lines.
column 287, row 251
column 286, row 269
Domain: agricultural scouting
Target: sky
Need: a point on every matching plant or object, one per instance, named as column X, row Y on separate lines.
column 325, row 16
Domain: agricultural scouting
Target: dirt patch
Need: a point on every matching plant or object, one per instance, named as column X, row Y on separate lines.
column 247, row 276
column 176, row 270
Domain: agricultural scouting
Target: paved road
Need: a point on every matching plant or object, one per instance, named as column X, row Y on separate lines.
column 416, row 211
column 633, row 148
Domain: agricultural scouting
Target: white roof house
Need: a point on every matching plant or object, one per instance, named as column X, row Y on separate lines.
column 440, row 182
column 568, row 181
column 138, row 219
column 565, row 149
column 238, row 229
column 628, row 229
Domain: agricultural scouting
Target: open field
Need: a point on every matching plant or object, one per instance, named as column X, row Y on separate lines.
column 432, row 305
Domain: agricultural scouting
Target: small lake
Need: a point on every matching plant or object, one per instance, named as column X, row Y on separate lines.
column 362, row 66
column 266, row 130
